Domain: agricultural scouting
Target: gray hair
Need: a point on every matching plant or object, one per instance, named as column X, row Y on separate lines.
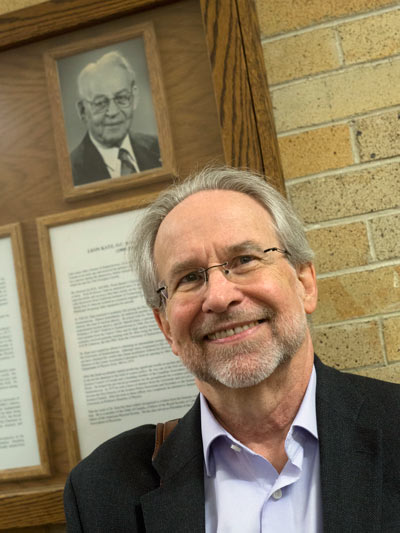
column 111, row 59
column 288, row 227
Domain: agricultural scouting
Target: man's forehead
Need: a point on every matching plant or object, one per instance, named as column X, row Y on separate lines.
column 105, row 80
column 209, row 206
column 218, row 217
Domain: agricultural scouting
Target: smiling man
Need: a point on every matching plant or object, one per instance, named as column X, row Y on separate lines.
column 108, row 98
column 276, row 441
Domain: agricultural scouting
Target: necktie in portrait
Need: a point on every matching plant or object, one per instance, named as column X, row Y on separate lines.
column 126, row 162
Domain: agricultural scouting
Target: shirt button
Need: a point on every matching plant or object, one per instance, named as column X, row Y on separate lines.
column 236, row 448
column 277, row 495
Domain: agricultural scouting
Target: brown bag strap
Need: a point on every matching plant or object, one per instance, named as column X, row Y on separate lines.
column 162, row 432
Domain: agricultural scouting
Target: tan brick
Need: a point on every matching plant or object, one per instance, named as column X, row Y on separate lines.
column 284, row 15
column 301, row 55
column 358, row 294
column 371, row 38
column 7, row 6
column 315, row 151
column 339, row 247
column 378, row 136
column 354, row 193
column 349, row 346
column 336, row 95
column 391, row 333
column 385, row 373
column 386, row 236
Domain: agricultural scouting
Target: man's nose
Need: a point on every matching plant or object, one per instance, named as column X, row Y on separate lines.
column 219, row 292
column 112, row 108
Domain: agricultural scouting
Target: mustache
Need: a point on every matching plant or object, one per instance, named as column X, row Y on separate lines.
column 213, row 323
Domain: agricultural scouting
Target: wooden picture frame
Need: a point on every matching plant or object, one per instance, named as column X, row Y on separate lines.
column 115, row 368
column 82, row 129
column 20, row 391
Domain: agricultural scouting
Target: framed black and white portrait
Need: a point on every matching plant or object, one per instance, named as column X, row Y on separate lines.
column 109, row 112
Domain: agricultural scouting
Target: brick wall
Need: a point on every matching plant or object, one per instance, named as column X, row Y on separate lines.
column 334, row 76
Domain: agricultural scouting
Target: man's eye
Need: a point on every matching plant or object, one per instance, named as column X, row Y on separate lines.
column 242, row 263
column 242, row 260
column 100, row 102
column 192, row 277
column 122, row 99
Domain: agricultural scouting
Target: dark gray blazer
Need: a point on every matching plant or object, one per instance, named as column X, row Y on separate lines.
column 117, row 488
column 88, row 165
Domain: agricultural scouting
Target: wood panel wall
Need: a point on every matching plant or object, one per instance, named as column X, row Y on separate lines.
column 219, row 112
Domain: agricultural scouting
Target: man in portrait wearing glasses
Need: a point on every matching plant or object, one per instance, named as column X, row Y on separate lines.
column 108, row 98
column 276, row 441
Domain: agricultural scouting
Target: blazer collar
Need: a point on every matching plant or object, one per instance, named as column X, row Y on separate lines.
column 178, row 504
column 350, row 455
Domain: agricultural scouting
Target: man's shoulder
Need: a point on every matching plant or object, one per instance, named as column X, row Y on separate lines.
column 78, row 152
column 87, row 163
column 130, row 451
column 144, row 140
column 147, row 150
column 358, row 381
column 372, row 401
column 382, row 393
column 103, row 491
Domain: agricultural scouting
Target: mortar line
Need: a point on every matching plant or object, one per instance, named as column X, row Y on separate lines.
column 343, row 68
column 369, row 367
column 382, row 339
column 371, row 240
column 367, row 165
column 357, row 320
column 364, row 217
column 359, row 269
column 329, row 24
column 354, row 143
column 339, row 121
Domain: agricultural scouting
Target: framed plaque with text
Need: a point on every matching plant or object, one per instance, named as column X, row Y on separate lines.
column 23, row 442
column 116, row 371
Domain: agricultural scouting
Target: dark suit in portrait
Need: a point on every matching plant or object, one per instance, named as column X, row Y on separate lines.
column 88, row 165
column 117, row 488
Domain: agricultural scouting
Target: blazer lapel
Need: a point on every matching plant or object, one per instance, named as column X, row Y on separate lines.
column 350, row 460
column 350, row 457
column 178, row 504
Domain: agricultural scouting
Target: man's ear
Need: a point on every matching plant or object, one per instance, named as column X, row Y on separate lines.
column 163, row 324
column 307, row 277
column 135, row 93
column 80, row 107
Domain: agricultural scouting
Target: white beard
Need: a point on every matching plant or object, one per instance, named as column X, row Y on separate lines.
column 249, row 362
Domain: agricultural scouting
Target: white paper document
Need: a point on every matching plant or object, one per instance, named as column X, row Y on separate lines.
column 122, row 371
column 18, row 437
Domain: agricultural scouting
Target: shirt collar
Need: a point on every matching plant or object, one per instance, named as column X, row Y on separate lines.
column 110, row 155
column 211, row 429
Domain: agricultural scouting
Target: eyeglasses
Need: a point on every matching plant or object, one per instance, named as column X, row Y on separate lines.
column 240, row 269
column 100, row 104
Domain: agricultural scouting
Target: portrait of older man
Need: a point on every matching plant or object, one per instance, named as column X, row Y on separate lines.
column 108, row 97
column 276, row 441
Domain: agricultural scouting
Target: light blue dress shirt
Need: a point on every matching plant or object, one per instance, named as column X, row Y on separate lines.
column 243, row 491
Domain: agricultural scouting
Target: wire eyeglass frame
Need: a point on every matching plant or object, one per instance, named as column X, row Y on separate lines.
column 163, row 290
